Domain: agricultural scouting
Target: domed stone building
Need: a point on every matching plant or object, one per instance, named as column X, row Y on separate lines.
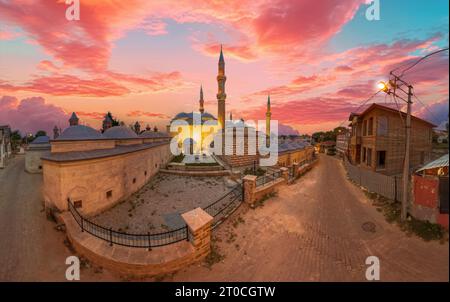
column 96, row 170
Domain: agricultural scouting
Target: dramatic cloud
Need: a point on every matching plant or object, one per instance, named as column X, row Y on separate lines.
column 31, row 114
column 283, row 24
column 437, row 112
column 114, row 84
column 286, row 130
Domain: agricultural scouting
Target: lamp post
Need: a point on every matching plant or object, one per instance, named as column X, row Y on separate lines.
column 391, row 88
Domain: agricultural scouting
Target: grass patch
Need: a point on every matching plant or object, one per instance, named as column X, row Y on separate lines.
column 392, row 210
column 260, row 203
column 213, row 257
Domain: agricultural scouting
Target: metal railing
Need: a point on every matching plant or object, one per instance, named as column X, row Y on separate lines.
column 225, row 205
column 148, row 240
column 267, row 178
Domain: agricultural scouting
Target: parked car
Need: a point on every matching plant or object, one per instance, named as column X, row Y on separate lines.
column 331, row 151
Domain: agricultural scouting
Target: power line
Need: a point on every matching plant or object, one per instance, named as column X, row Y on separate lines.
column 418, row 61
column 362, row 104
column 425, row 106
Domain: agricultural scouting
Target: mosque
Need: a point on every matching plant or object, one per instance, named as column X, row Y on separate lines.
column 196, row 131
column 96, row 169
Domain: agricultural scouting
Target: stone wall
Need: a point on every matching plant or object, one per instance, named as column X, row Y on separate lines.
column 33, row 162
column 82, row 145
column 100, row 183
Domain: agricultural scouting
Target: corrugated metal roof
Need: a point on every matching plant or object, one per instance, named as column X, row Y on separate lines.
column 438, row 163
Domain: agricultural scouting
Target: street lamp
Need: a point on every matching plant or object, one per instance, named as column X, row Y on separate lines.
column 395, row 84
column 383, row 86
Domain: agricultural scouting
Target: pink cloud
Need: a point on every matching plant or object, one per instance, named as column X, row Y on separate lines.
column 31, row 114
column 61, row 85
column 243, row 52
column 283, row 23
column 138, row 113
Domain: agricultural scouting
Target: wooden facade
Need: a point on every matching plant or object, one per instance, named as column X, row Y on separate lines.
column 378, row 140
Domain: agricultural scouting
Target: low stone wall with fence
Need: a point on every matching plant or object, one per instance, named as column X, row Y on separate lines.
column 152, row 253
column 132, row 261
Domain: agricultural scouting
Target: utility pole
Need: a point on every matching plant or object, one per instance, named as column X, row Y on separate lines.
column 407, row 155
column 392, row 89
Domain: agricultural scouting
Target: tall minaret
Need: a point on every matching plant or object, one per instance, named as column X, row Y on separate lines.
column 221, row 96
column 268, row 116
column 201, row 100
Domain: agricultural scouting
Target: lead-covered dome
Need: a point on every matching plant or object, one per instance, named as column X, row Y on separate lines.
column 119, row 132
column 189, row 117
column 79, row 132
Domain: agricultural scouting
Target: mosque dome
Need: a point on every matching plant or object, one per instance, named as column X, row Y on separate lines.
column 79, row 132
column 189, row 117
column 41, row 140
column 119, row 132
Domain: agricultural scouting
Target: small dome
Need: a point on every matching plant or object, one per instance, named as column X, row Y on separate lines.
column 119, row 132
column 153, row 134
column 205, row 116
column 41, row 140
column 79, row 132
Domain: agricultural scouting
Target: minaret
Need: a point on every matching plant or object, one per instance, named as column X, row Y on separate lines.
column 201, row 100
column 268, row 116
column 231, row 116
column 221, row 96
column 73, row 121
column 55, row 132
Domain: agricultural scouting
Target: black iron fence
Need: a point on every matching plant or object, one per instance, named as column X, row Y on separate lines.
column 267, row 178
column 219, row 209
column 148, row 240
column 225, row 205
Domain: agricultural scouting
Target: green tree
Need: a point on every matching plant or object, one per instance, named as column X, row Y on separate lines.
column 16, row 139
column 115, row 122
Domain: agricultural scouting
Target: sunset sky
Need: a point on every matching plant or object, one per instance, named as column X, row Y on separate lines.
column 145, row 60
